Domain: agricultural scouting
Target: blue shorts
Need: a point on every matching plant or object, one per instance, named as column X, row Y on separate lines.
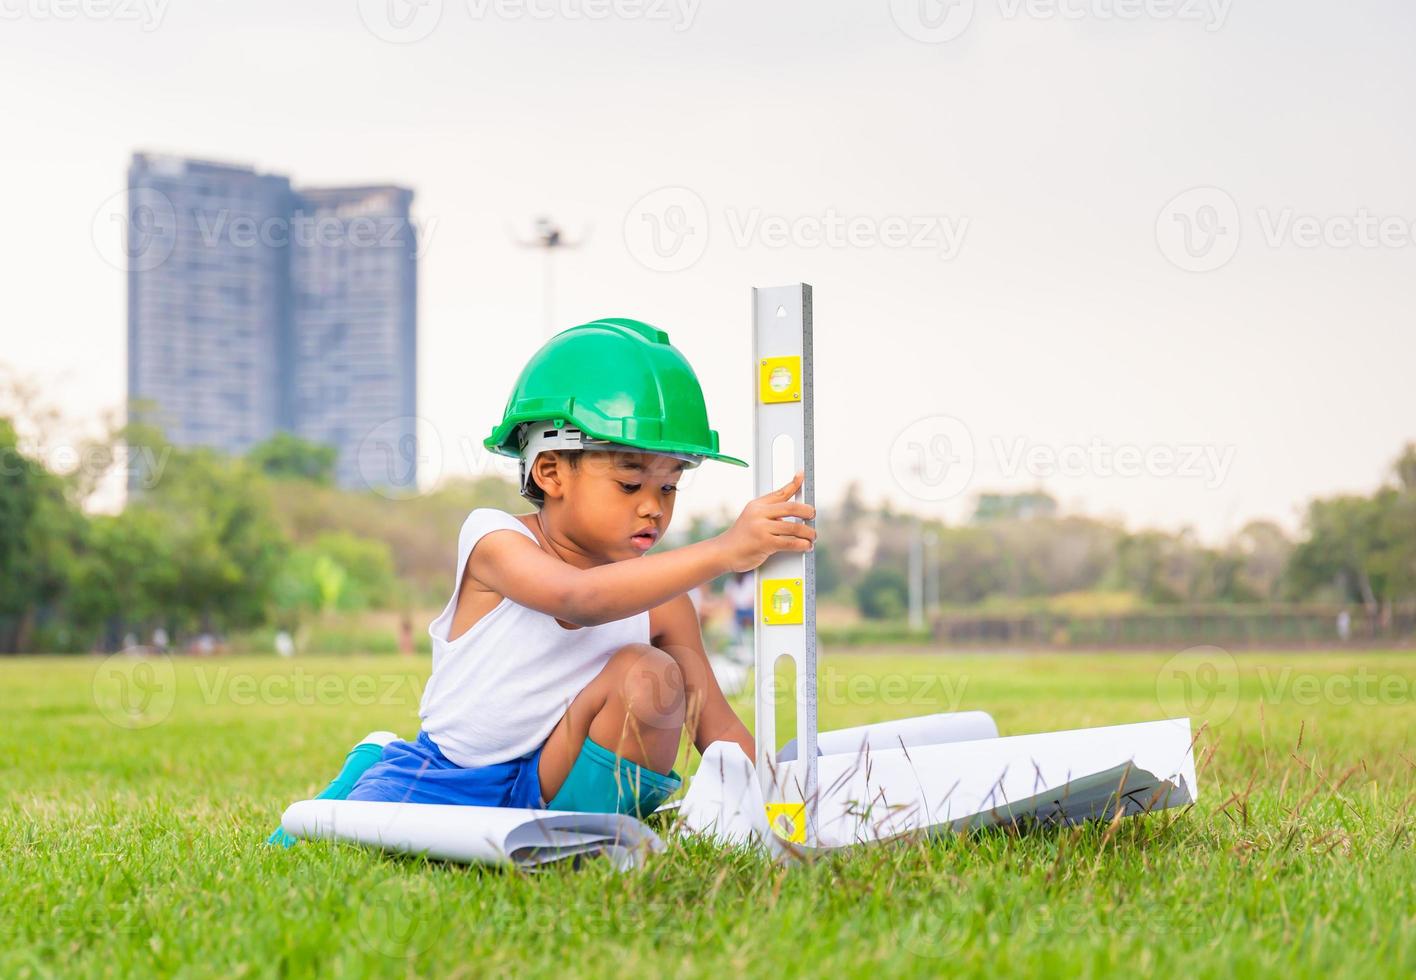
column 418, row 772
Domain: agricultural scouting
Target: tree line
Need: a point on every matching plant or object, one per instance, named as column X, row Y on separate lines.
column 209, row 544
column 1018, row 551
column 220, row 544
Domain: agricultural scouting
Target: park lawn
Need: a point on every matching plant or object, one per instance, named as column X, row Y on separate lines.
column 133, row 844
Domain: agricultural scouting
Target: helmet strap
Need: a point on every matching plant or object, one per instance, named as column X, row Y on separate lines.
column 540, row 437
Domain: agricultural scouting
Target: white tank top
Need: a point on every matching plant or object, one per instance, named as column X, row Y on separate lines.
column 498, row 689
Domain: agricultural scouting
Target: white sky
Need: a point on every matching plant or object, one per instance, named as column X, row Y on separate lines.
column 1059, row 326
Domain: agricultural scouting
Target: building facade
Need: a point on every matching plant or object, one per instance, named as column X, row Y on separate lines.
column 355, row 306
column 255, row 307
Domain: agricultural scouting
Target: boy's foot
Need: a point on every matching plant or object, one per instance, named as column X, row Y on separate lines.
column 356, row 763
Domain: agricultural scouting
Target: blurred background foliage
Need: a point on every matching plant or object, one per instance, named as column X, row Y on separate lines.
column 221, row 547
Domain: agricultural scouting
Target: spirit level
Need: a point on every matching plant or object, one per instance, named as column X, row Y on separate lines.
column 785, row 624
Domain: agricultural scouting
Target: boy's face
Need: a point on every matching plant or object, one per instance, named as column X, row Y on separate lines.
column 615, row 504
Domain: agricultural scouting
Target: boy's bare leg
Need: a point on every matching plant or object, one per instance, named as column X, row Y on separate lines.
column 634, row 708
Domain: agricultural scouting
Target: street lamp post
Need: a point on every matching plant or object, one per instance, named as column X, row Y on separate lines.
column 549, row 238
column 916, row 576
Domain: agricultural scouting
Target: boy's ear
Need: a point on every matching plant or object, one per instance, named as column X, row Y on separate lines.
column 548, row 472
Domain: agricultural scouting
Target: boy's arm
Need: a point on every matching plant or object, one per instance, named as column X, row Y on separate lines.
column 673, row 628
column 513, row 566
column 509, row 564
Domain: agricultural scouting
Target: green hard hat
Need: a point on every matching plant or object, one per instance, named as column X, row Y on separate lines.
column 615, row 379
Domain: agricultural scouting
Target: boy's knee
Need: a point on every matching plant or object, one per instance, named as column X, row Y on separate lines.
column 634, row 657
column 651, row 684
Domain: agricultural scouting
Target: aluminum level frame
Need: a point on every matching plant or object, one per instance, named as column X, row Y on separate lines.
column 782, row 393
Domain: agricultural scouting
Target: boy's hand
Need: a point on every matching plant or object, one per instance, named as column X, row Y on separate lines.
column 761, row 530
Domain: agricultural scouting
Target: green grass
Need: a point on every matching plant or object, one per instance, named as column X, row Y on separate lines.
column 136, row 850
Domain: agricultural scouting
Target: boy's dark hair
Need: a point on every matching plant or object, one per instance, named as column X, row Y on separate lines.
column 534, row 493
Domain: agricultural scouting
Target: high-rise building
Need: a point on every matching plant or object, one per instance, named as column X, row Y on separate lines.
column 208, row 310
column 355, row 308
column 255, row 307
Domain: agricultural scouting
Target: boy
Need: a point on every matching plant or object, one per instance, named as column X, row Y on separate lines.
column 567, row 664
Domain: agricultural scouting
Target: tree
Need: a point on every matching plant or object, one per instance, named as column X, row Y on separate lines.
column 845, row 528
column 1014, row 506
column 1264, row 551
column 421, row 532
column 1396, row 560
column 882, row 594
column 971, row 564
column 39, row 533
column 1391, row 562
column 1342, row 534
column 20, row 491
column 288, row 456
column 1405, row 468
column 828, row 569
column 1051, row 555
column 1152, row 565
column 223, row 539
column 338, row 572
column 1362, row 549
column 127, row 576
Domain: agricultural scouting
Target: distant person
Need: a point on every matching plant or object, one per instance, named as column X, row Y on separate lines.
column 740, row 594
column 567, row 661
